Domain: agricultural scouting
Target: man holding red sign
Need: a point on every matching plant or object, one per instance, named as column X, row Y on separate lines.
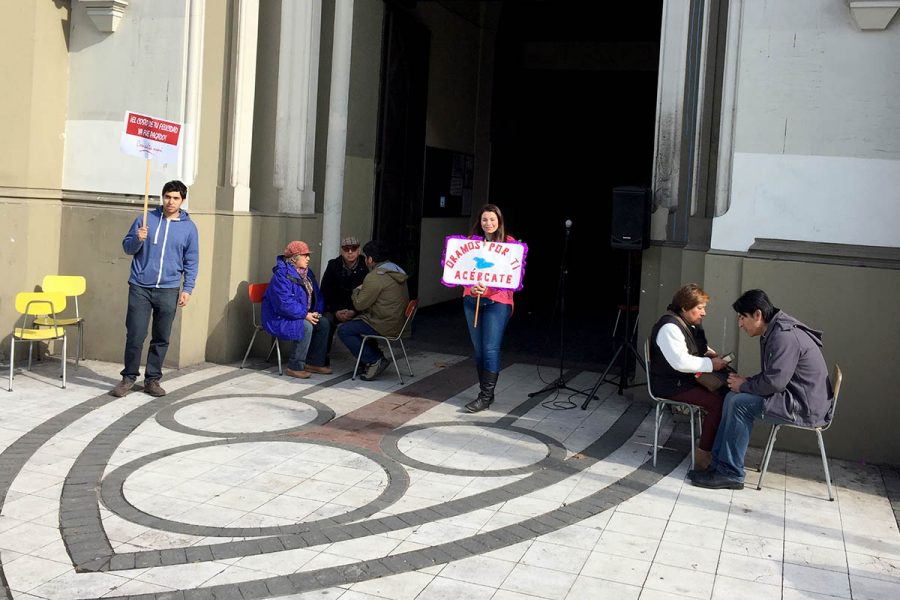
column 165, row 253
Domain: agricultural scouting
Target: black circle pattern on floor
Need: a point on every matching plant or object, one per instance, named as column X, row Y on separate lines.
column 90, row 549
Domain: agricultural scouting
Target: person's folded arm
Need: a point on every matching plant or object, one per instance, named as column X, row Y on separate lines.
column 783, row 354
column 670, row 340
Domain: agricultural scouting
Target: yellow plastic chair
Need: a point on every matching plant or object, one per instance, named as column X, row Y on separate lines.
column 38, row 304
column 71, row 286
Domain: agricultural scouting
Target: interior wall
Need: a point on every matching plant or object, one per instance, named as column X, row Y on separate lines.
column 434, row 232
column 455, row 65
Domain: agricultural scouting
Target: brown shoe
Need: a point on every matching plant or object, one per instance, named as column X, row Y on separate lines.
column 122, row 388
column 319, row 370
column 152, row 388
column 297, row 374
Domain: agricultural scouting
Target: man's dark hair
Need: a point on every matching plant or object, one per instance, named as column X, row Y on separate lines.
column 175, row 186
column 752, row 301
column 376, row 251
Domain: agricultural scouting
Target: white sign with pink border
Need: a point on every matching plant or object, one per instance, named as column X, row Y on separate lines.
column 468, row 261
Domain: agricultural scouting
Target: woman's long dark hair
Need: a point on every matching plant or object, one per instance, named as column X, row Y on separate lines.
column 500, row 234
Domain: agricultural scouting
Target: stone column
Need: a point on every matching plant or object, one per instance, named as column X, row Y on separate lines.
column 295, row 113
column 242, row 90
column 337, row 129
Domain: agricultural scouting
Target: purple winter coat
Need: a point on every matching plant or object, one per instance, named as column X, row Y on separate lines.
column 286, row 303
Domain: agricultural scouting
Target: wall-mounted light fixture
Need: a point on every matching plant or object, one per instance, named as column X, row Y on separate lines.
column 873, row 14
column 105, row 14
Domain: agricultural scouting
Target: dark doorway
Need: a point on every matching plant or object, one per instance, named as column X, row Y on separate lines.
column 400, row 154
column 573, row 116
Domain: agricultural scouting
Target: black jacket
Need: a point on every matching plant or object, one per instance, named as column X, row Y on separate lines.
column 664, row 380
column 338, row 283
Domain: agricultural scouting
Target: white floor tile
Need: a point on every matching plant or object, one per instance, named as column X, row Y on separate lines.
column 816, row 580
column 678, row 581
column 535, row 581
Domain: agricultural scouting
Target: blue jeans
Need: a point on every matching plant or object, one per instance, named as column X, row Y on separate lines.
column 312, row 348
column 352, row 332
column 488, row 336
column 161, row 304
column 739, row 411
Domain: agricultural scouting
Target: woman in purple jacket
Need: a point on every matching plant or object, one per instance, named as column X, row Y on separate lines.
column 292, row 310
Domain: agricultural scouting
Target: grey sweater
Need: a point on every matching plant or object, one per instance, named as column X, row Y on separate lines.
column 794, row 378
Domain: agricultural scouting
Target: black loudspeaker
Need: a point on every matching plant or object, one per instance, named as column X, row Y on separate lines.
column 630, row 228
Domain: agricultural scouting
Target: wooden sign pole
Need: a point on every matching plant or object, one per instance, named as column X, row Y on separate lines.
column 146, row 191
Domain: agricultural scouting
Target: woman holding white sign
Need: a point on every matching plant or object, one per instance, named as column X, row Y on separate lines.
column 494, row 307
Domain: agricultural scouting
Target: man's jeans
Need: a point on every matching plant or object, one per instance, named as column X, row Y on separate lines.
column 311, row 349
column 352, row 332
column 161, row 303
column 739, row 412
column 488, row 336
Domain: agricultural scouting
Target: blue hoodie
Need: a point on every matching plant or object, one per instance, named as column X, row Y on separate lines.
column 170, row 251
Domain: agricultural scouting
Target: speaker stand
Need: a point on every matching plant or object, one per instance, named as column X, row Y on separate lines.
column 625, row 347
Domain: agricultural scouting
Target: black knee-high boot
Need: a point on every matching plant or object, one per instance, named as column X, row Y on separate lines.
column 486, row 395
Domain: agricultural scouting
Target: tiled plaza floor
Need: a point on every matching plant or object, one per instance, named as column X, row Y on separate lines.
column 244, row 484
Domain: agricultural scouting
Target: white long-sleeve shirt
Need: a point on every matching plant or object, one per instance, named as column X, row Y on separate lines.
column 671, row 342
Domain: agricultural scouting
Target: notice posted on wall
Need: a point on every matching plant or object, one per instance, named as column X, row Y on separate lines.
column 150, row 138
column 469, row 261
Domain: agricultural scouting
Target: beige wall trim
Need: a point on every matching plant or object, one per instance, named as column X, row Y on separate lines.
column 20, row 193
column 827, row 253
column 129, row 202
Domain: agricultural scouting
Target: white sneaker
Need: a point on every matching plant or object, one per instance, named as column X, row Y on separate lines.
column 375, row 369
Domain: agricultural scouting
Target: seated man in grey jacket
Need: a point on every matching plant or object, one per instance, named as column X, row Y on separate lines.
column 793, row 387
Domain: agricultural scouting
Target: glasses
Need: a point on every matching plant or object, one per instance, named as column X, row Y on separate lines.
column 350, row 248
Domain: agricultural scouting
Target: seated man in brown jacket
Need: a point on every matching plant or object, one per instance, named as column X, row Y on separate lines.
column 380, row 303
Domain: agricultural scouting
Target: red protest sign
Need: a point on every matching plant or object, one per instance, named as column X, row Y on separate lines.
column 151, row 137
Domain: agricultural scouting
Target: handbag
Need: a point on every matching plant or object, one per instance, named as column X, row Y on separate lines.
column 714, row 381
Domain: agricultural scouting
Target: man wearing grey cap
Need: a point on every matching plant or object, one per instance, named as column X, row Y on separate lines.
column 342, row 275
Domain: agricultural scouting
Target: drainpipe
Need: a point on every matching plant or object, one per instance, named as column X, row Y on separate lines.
column 337, row 130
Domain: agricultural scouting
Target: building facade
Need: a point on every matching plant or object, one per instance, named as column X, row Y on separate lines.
column 775, row 159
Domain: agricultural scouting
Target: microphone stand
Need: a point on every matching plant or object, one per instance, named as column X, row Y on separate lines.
column 560, row 382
